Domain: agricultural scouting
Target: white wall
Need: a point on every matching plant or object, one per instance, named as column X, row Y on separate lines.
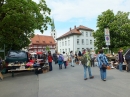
column 73, row 42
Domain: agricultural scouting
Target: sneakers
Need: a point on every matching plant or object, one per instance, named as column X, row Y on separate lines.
column 91, row 77
column 85, row 78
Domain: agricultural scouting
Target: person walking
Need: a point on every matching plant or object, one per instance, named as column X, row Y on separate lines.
column 1, row 76
column 72, row 58
column 79, row 56
column 65, row 59
column 92, row 58
column 120, row 59
column 102, row 64
column 85, row 60
column 50, row 58
column 60, row 60
column 55, row 57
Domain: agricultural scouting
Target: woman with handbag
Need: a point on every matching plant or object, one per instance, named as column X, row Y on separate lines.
column 102, row 64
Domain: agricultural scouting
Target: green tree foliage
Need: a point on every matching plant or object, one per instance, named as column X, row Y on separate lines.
column 19, row 19
column 119, row 26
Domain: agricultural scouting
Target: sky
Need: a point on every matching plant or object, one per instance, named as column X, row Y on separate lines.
column 68, row 13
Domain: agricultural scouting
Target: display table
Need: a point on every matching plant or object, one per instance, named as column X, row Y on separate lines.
column 14, row 70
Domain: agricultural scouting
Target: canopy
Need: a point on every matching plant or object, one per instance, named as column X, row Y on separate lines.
column 39, row 52
column 33, row 53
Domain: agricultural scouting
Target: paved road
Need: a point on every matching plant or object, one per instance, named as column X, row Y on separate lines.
column 66, row 83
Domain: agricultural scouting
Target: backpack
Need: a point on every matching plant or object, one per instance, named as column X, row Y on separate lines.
column 84, row 59
column 60, row 58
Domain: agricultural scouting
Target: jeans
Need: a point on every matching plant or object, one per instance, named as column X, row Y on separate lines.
column 60, row 66
column 120, row 66
column 65, row 64
column 50, row 66
column 85, row 71
column 92, row 62
column 103, row 73
column 72, row 62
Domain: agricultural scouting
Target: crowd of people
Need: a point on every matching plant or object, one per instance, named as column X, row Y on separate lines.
column 87, row 58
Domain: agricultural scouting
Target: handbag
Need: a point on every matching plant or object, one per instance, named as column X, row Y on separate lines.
column 104, row 66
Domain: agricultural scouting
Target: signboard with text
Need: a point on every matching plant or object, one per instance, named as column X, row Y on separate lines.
column 107, row 36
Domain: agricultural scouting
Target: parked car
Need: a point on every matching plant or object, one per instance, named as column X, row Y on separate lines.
column 16, row 56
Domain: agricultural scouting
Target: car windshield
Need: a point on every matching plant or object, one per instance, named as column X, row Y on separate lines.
column 17, row 54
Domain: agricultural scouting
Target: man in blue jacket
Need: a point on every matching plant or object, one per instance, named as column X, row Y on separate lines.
column 102, row 60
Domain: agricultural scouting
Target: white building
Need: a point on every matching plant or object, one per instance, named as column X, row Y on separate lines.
column 76, row 39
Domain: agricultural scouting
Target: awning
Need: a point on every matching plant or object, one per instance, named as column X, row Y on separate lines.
column 39, row 52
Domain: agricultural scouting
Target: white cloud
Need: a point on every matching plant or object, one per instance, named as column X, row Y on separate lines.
column 63, row 10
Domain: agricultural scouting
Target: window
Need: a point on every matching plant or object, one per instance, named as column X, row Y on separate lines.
column 86, row 34
column 86, row 41
column 65, row 43
column 68, row 42
column 60, row 50
column 78, row 49
column 91, row 34
column 69, row 49
column 82, row 41
column 91, row 42
column 77, row 41
column 65, row 50
column 62, row 43
column 54, row 34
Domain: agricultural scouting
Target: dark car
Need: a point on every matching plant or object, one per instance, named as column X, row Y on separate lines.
column 16, row 56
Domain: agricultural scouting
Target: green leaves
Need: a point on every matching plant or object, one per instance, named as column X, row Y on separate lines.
column 19, row 19
column 119, row 26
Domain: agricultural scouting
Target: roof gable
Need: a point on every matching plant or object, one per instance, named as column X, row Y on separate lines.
column 75, row 31
column 42, row 39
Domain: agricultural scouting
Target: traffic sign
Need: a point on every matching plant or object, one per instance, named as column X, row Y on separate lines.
column 107, row 38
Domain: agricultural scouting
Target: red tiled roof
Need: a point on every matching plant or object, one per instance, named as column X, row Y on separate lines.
column 42, row 39
column 75, row 31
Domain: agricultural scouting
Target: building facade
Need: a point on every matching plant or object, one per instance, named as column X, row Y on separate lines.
column 42, row 43
column 76, row 39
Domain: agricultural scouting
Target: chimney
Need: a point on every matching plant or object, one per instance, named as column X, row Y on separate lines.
column 75, row 27
column 70, row 29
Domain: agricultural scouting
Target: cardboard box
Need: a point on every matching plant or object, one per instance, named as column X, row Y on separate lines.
column 44, row 71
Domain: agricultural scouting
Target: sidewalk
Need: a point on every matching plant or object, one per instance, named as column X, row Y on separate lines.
column 66, row 83
column 69, row 83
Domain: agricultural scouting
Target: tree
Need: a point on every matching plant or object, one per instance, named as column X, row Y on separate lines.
column 19, row 19
column 119, row 26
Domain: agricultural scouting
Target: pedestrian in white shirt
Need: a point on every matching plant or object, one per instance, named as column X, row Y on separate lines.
column 65, row 59
column 72, row 58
